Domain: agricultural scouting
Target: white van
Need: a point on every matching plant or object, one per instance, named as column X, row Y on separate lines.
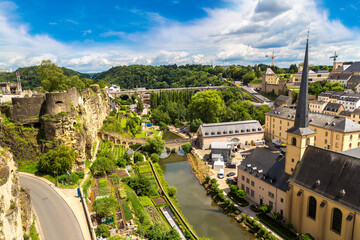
column 221, row 173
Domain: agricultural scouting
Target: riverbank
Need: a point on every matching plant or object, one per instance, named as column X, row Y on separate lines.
column 247, row 219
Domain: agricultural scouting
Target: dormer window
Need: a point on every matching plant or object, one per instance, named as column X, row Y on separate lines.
column 206, row 133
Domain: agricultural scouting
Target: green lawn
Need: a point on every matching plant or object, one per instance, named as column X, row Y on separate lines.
column 142, row 134
column 123, row 123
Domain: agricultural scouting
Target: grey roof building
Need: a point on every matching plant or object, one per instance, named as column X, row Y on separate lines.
column 267, row 166
column 331, row 122
column 242, row 132
column 331, row 174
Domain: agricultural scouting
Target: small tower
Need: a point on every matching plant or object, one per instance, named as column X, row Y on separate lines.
column 18, row 82
column 300, row 135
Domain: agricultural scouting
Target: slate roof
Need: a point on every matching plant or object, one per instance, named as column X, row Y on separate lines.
column 354, row 79
column 231, row 128
column 318, row 102
column 271, row 164
column 332, row 107
column 355, row 152
column 269, row 71
column 341, row 68
column 283, row 98
column 355, row 67
column 345, row 113
column 327, row 93
column 335, row 171
column 331, row 122
column 340, row 76
column 356, row 111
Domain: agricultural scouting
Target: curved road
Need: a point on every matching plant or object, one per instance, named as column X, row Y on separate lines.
column 56, row 218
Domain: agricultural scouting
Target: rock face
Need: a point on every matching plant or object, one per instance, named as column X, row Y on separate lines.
column 10, row 209
column 73, row 119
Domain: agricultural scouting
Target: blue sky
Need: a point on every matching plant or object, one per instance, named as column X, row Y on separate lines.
column 93, row 35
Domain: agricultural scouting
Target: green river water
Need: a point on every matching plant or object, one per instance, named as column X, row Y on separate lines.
column 198, row 208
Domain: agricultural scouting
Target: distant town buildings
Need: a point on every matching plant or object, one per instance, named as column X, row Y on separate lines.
column 272, row 83
column 313, row 76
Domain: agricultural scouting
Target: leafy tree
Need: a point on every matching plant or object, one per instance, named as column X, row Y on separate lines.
column 139, row 106
column 102, row 165
column 248, row 77
column 75, row 81
column 172, row 234
column 154, row 144
column 155, row 233
column 289, row 225
column 172, row 191
column 141, row 185
column 59, row 159
column 293, row 68
column 52, row 77
column 195, row 124
column 138, row 157
column 104, row 207
column 154, row 157
column 207, row 106
column 159, row 116
column 102, row 230
column 241, row 194
column 186, row 147
column 121, row 162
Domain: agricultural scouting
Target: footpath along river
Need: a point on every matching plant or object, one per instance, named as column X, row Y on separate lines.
column 198, row 208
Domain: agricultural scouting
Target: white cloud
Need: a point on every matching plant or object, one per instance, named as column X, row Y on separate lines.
column 242, row 35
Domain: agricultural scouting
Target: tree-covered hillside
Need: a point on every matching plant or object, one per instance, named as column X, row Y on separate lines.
column 30, row 77
column 129, row 77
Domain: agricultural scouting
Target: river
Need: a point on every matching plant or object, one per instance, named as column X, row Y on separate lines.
column 197, row 207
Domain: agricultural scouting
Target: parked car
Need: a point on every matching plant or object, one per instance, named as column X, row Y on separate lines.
column 229, row 165
column 230, row 174
column 221, row 174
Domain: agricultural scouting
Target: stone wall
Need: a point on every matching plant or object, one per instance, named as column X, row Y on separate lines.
column 74, row 119
column 27, row 108
column 10, row 209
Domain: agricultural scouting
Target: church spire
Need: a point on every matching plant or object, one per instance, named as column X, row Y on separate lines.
column 302, row 109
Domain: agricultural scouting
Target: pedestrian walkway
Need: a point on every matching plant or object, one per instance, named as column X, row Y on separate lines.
column 171, row 221
column 246, row 210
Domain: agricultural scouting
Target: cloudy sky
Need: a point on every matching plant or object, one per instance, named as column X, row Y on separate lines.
column 92, row 35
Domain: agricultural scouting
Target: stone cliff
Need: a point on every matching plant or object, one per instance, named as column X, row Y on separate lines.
column 73, row 119
column 12, row 223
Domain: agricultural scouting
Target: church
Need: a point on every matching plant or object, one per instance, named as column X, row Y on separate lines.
column 315, row 188
column 323, row 198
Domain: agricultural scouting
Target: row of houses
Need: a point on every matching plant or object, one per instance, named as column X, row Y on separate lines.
column 315, row 184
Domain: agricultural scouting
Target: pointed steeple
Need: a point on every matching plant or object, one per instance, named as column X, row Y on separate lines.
column 301, row 125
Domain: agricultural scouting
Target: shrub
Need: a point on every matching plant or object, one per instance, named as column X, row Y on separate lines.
column 73, row 178
column 207, row 178
column 102, row 165
column 102, row 230
column 172, row 191
column 265, row 209
column 186, row 147
column 104, row 207
column 138, row 157
column 289, row 225
column 277, row 216
column 59, row 160
column 307, row 236
column 154, row 157
column 213, row 181
column 121, row 162
column 80, row 174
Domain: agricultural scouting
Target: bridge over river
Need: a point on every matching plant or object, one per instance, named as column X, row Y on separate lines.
column 118, row 139
column 142, row 92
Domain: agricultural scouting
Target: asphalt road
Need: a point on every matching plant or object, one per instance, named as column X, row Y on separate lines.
column 56, row 218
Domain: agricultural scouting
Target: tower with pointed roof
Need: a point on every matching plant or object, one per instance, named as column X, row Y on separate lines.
column 300, row 135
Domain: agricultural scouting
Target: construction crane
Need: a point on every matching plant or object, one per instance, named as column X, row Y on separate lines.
column 334, row 57
column 274, row 56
